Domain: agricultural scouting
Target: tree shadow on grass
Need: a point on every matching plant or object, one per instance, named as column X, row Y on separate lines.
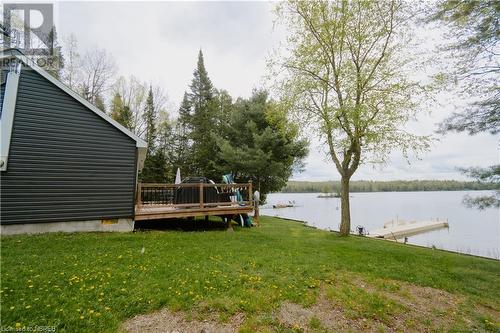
column 185, row 224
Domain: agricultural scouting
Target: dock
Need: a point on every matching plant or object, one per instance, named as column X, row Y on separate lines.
column 165, row 201
column 400, row 229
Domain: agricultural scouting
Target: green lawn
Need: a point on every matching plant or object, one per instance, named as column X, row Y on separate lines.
column 91, row 282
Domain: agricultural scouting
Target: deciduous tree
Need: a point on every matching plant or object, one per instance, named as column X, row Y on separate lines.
column 344, row 76
column 98, row 69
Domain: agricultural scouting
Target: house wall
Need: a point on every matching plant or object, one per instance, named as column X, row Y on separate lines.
column 65, row 162
column 118, row 225
column 2, row 89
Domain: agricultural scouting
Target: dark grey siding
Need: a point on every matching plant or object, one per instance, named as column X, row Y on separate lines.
column 65, row 162
column 2, row 89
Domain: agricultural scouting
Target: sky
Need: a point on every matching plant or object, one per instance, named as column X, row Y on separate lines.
column 159, row 41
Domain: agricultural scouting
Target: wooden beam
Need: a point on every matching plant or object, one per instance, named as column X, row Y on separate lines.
column 141, row 216
column 250, row 194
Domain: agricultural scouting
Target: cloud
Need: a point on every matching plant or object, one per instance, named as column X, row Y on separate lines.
column 159, row 41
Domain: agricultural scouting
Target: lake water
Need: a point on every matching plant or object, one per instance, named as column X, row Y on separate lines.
column 470, row 231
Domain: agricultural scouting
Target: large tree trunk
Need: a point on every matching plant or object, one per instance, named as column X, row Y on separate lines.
column 345, row 221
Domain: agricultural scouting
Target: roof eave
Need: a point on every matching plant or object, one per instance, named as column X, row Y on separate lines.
column 140, row 143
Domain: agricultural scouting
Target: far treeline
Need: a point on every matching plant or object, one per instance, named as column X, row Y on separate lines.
column 333, row 186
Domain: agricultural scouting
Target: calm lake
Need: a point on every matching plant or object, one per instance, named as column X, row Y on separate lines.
column 471, row 231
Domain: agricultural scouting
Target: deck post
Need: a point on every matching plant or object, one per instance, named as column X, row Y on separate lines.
column 250, row 193
column 256, row 208
column 138, row 198
column 201, row 195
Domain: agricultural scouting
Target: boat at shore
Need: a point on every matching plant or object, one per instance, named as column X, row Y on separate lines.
column 284, row 205
column 329, row 195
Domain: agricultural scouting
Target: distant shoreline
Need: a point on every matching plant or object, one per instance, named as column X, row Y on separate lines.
column 360, row 186
column 461, row 190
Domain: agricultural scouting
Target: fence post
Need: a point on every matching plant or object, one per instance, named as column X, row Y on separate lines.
column 201, row 195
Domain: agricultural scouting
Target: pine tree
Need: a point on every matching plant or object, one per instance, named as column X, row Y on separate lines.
column 120, row 112
column 262, row 145
column 182, row 156
column 149, row 119
column 185, row 113
column 203, row 122
column 167, row 147
column 155, row 165
column 116, row 107
column 99, row 103
column 202, row 90
column 54, row 58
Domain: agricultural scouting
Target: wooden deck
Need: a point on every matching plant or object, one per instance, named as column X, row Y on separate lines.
column 164, row 201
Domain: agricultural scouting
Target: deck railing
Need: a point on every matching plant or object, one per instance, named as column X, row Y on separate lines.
column 191, row 195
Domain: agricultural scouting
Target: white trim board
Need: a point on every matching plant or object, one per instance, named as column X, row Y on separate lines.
column 141, row 144
column 8, row 110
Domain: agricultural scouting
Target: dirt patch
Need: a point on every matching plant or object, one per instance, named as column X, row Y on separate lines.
column 414, row 309
column 166, row 321
column 347, row 304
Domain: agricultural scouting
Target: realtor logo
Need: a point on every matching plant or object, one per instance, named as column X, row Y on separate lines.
column 28, row 27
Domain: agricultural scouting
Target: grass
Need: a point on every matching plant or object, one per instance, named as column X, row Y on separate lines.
column 90, row 282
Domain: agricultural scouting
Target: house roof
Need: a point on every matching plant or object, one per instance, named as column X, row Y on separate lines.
column 14, row 53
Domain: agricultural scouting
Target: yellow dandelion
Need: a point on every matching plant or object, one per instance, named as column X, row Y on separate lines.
column 82, row 317
column 18, row 325
column 91, row 311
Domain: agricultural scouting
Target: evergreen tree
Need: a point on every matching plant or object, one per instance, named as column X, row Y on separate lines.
column 202, row 90
column 155, row 165
column 166, row 147
column 182, row 156
column 149, row 119
column 201, row 120
column 154, row 170
column 55, row 58
column 261, row 145
column 185, row 113
column 473, row 45
column 99, row 103
column 121, row 113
